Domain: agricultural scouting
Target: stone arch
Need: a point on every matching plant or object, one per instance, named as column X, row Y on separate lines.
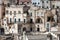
column 39, row 20
column 24, row 28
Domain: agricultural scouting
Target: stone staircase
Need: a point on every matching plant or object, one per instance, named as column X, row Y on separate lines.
column 37, row 37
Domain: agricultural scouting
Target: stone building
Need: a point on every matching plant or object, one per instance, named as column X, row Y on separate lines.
column 13, row 16
column 1, row 11
column 51, row 20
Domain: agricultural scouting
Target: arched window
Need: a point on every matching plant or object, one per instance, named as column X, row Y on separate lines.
column 15, row 20
column 19, row 20
column 31, row 20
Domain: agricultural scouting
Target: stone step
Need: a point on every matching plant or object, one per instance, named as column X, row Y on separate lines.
column 37, row 37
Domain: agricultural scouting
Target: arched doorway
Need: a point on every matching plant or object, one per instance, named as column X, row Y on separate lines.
column 38, row 29
column 24, row 29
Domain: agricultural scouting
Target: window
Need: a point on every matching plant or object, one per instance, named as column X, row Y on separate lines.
column 10, row 12
column 42, row 14
column 53, row 6
column 19, row 12
column 1, row 31
column 38, row 3
column 24, row 20
column 31, row 20
column 14, row 12
column 24, row 29
column 8, row 4
column 47, row 1
column 56, row 12
column 13, row 27
column 30, row 14
column 42, row 6
column 7, row 11
column 15, row 20
column 10, row 20
column 39, row 20
column 19, row 20
column 47, row 6
column 38, row 25
column 35, row 3
column 48, row 27
column 4, row 19
column 48, row 19
column 9, row 27
column 5, row 27
column 42, row 1
column 31, row 29
column 52, row 19
column 27, row 2
column 57, row 6
column 38, row 29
